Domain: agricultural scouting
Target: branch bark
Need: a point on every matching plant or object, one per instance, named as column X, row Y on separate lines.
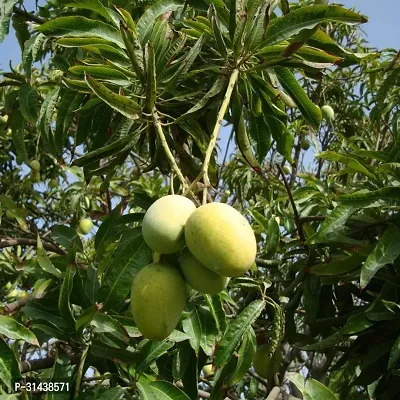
column 9, row 242
column 43, row 363
column 28, row 16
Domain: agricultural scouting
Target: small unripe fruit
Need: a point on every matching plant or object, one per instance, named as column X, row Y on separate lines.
column 265, row 366
column 87, row 203
column 13, row 293
column 221, row 239
column 278, row 220
column 10, row 214
column 208, row 370
column 328, row 113
column 158, row 299
column 200, row 277
column 22, row 294
column 287, row 169
column 305, row 144
column 164, row 222
column 252, row 202
column 131, row 211
column 35, row 176
column 53, row 183
column 9, row 132
column 35, row 165
column 3, row 119
column 85, row 226
column 8, row 285
column 227, row 193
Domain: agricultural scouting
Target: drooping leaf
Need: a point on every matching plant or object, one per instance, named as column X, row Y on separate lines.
column 236, row 330
column 192, row 327
column 28, row 100
column 104, row 323
column 7, row 7
column 215, row 305
column 64, row 304
column 311, row 389
column 44, row 260
column 160, row 390
column 9, row 368
column 12, row 329
column 150, row 352
column 386, row 251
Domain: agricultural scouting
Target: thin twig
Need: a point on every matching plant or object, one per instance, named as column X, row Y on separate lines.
column 28, row 16
column 9, row 242
column 258, row 378
column 296, row 214
column 80, row 372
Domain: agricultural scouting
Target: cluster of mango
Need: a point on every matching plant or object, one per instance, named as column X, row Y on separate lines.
column 214, row 242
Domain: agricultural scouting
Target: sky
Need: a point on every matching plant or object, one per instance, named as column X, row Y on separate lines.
column 382, row 31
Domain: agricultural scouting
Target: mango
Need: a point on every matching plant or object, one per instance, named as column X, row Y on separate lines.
column 265, row 366
column 287, row 169
column 85, row 226
column 328, row 113
column 158, row 299
column 3, row 119
column 221, row 239
column 200, row 277
column 35, row 165
column 164, row 222
column 208, row 370
column 305, row 144
column 10, row 214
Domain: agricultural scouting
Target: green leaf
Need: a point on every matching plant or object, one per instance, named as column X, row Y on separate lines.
column 93, row 5
column 105, row 324
column 63, row 301
column 311, row 389
column 215, row 305
column 44, row 261
column 209, row 331
column 103, row 351
column 311, row 113
column 102, row 72
column 260, row 131
column 151, row 84
column 273, row 237
column 125, row 106
column 9, row 368
column 333, row 225
column 67, row 237
column 9, row 203
column 308, row 17
column 77, row 26
column 115, row 393
column 17, row 124
column 245, row 357
column 6, row 10
column 36, row 311
column 236, row 330
column 160, row 390
column 156, row 10
column 376, row 198
column 338, row 266
column 132, row 256
column 192, row 327
column 386, row 251
column 150, row 352
column 394, row 354
column 12, row 329
column 352, row 163
column 28, row 100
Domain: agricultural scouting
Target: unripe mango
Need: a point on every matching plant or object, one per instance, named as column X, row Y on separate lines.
column 163, row 223
column 35, row 165
column 158, row 299
column 200, row 277
column 305, row 144
column 3, row 119
column 85, row 226
column 265, row 366
column 287, row 169
column 10, row 214
column 221, row 239
column 53, row 183
column 328, row 113
column 208, row 370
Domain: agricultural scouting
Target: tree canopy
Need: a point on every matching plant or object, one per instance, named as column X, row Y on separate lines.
column 116, row 104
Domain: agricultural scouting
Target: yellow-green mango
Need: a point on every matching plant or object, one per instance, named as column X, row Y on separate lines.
column 328, row 113
column 164, row 222
column 85, row 226
column 200, row 277
column 221, row 239
column 158, row 299
column 265, row 366
column 35, row 165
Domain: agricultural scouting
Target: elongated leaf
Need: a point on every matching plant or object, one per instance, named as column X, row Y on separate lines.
column 352, row 163
column 150, row 352
column 5, row 16
column 66, row 237
column 209, row 331
column 33, row 310
column 386, row 251
column 12, row 329
column 146, row 21
column 44, row 261
column 28, row 100
column 376, row 198
column 339, row 266
column 160, row 390
column 9, row 368
column 245, row 357
column 394, row 354
column 236, row 330
column 93, row 5
column 99, row 72
column 115, row 393
column 77, row 26
column 261, row 134
column 311, row 389
column 151, row 94
column 215, row 305
column 333, row 225
column 311, row 113
column 273, row 236
column 308, row 17
column 125, row 106
column 63, row 301
column 132, row 256
column 105, row 324
column 192, row 327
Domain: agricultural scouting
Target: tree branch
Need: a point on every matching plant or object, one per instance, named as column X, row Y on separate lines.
column 9, row 242
column 28, row 16
column 274, row 393
column 296, row 214
column 43, row 363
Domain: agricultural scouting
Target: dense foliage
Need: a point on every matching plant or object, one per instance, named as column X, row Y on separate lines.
column 122, row 102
